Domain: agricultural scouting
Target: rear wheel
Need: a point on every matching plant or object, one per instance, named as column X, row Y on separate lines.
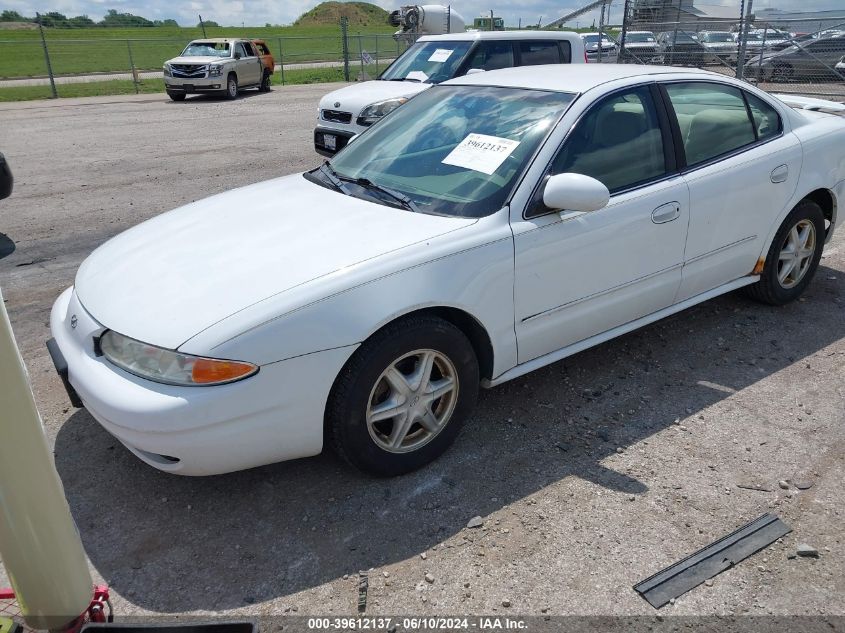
column 176, row 96
column 793, row 256
column 232, row 86
column 265, row 82
column 402, row 398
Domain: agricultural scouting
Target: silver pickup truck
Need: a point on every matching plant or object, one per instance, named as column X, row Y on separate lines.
column 215, row 65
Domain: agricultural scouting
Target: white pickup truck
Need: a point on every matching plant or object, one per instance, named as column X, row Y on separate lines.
column 349, row 111
column 216, row 65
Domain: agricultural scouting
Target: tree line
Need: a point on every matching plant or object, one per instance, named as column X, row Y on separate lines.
column 112, row 19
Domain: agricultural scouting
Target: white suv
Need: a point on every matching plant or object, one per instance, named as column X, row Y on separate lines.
column 215, row 65
column 434, row 58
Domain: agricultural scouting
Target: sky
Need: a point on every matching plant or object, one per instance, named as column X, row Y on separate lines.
column 259, row 12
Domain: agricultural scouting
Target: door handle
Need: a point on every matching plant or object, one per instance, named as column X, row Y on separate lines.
column 780, row 174
column 666, row 213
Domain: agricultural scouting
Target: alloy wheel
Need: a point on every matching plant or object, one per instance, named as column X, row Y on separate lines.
column 412, row 401
column 796, row 253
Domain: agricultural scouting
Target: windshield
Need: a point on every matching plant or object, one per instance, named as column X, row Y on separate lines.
column 206, row 49
column 638, row 38
column 712, row 38
column 454, row 150
column 428, row 62
column 594, row 39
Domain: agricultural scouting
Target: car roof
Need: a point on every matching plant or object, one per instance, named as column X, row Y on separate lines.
column 220, row 40
column 569, row 77
column 472, row 36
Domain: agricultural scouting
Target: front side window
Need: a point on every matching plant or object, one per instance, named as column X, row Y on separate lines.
column 453, row 150
column 712, row 119
column 618, row 142
column 428, row 62
column 536, row 53
column 490, row 55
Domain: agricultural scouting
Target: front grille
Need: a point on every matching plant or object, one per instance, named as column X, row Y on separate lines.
column 189, row 71
column 336, row 116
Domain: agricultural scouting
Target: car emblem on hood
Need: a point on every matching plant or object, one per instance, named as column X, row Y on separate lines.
column 73, row 321
column 337, row 104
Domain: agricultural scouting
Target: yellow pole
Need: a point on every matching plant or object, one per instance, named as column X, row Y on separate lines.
column 39, row 542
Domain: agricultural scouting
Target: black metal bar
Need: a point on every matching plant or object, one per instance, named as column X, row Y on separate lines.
column 709, row 561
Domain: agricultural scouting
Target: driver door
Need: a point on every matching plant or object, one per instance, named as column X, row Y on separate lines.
column 581, row 274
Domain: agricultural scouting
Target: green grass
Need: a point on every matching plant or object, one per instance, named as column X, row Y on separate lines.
column 78, row 51
column 120, row 87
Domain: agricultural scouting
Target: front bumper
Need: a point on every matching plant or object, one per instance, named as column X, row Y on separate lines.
column 323, row 140
column 273, row 416
column 188, row 86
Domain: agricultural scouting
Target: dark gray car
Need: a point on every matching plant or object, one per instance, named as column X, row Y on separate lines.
column 807, row 61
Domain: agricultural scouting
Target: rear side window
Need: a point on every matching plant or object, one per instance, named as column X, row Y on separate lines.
column 535, row 53
column 766, row 119
column 250, row 52
column 712, row 118
column 490, row 55
column 263, row 49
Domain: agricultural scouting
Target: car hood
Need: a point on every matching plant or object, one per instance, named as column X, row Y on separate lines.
column 358, row 96
column 167, row 279
column 197, row 60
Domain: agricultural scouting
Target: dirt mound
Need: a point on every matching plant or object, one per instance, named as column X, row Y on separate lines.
column 358, row 14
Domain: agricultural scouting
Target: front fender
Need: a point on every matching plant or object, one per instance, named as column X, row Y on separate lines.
column 477, row 280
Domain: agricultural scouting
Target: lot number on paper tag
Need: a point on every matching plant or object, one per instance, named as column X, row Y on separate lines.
column 440, row 55
column 480, row 152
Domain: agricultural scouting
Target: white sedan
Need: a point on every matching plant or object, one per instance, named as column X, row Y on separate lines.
column 494, row 224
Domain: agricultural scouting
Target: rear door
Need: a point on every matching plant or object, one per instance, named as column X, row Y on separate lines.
column 741, row 169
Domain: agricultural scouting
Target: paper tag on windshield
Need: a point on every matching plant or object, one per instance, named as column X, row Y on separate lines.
column 440, row 55
column 480, row 152
column 418, row 75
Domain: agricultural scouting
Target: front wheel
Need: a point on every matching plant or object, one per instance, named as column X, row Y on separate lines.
column 232, row 87
column 402, row 398
column 782, row 73
column 793, row 256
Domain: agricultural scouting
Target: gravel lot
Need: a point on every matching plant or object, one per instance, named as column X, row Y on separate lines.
column 590, row 474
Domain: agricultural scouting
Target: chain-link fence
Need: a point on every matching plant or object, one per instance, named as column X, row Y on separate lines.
column 58, row 64
column 778, row 50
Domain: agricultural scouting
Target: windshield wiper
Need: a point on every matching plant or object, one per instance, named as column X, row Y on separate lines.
column 404, row 200
column 405, row 79
column 333, row 177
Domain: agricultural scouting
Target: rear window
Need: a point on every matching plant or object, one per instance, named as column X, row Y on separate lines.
column 536, row 53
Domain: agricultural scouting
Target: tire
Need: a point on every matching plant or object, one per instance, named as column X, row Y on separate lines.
column 782, row 73
column 176, row 96
column 265, row 82
column 380, row 377
column 807, row 222
column 232, row 86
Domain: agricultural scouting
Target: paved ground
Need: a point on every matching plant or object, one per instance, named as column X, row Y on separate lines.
column 590, row 474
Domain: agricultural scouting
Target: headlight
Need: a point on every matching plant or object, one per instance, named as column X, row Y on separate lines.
column 169, row 367
column 215, row 70
column 375, row 111
column 167, row 72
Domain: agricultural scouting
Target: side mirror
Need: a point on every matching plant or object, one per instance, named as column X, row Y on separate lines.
column 6, row 179
column 575, row 192
column 237, row 55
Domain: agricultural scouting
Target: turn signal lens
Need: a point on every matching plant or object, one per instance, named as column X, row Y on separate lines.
column 209, row 371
